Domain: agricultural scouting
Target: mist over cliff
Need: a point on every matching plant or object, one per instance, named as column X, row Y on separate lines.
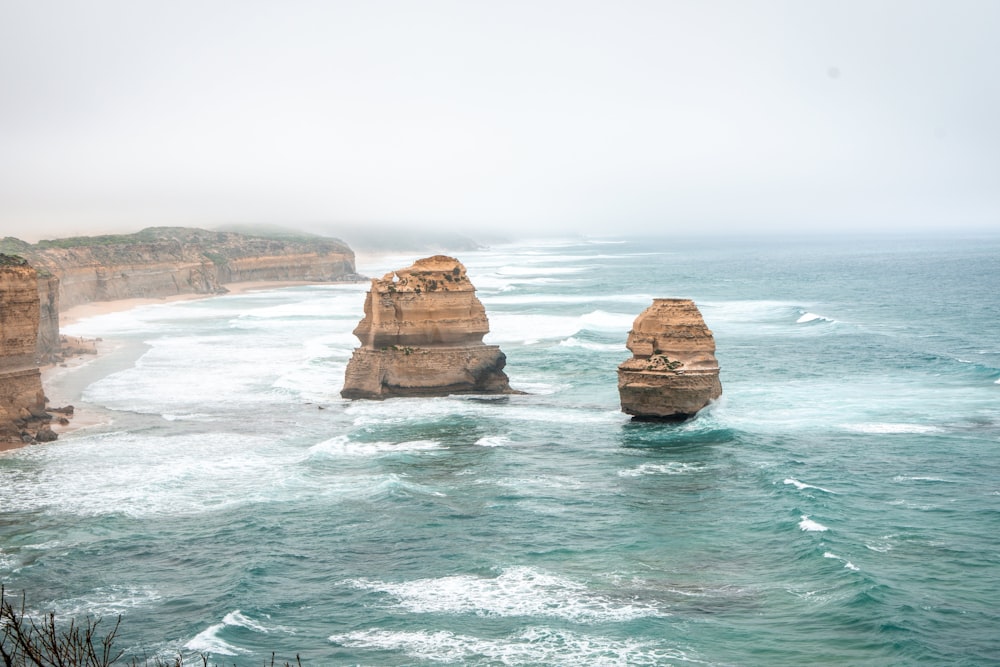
column 551, row 116
column 162, row 261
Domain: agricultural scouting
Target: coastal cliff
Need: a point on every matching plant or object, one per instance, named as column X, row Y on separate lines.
column 164, row 261
column 48, row 346
column 422, row 335
column 22, row 402
column 673, row 372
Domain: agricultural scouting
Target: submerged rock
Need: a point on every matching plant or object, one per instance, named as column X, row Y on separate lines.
column 422, row 335
column 673, row 372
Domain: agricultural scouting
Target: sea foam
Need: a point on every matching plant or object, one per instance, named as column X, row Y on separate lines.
column 519, row 271
column 811, row 526
column 123, row 474
column 805, row 318
column 531, row 646
column 891, row 428
column 594, row 347
column 106, row 601
column 516, row 591
column 208, row 640
column 906, row 478
column 565, row 299
column 801, row 486
column 669, row 468
column 847, row 564
column 342, row 445
column 518, row 328
column 493, row 441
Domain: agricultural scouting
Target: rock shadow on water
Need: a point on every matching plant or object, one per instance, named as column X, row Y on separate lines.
column 674, row 434
column 448, row 430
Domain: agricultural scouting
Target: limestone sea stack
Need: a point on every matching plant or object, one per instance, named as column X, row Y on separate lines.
column 673, row 372
column 422, row 335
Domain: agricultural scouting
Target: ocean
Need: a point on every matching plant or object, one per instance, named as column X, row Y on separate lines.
column 839, row 505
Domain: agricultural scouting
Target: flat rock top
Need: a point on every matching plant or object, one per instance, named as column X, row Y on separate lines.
column 430, row 274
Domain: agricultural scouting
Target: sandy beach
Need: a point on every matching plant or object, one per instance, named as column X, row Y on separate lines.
column 94, row 308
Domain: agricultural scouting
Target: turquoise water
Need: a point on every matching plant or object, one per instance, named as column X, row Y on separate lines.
column 839, row 505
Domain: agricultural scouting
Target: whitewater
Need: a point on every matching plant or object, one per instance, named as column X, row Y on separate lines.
column 840, row 504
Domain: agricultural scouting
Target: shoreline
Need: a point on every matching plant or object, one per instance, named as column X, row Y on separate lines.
column 57, row 379
column 83, row 311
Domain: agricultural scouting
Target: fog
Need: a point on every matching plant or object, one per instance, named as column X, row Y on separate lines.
column 500, row 117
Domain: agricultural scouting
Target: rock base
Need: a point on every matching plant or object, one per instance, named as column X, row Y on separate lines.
column 425, row 371
column 665, row 395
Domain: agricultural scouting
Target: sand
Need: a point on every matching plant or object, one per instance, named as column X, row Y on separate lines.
column 94, row 308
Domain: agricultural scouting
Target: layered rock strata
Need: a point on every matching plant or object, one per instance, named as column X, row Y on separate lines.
column 673, row 372
column 163, row 261
column 422, row 335
column 22, row 402
column 48, row 346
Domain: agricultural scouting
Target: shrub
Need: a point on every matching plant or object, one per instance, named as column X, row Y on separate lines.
column 27, row 642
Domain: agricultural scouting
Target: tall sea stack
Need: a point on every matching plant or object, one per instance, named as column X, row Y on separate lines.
column 673, row 372
column 422, row 335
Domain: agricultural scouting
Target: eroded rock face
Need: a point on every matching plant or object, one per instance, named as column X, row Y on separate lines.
column 48, row 345
column 673, row 372
column 422, row 335
column 163, row 261
column 22, row 401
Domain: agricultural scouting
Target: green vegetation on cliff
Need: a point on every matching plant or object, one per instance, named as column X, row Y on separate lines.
column 178, row 234
column 216, row 246
column 12, row 260
column 12, row 246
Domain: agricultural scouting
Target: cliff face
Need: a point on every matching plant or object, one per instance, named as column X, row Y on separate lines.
column 422, row 335
column 48, row 347
column 22, row 401
column 673, row 372
column 163, row 261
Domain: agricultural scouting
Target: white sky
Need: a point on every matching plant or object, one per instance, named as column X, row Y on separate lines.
column 601, row 117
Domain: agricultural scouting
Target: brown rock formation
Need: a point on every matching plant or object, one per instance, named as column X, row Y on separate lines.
column 163, row 261
column 22, row 401
column 422, row 335
column 673, row 372
column 48, row 347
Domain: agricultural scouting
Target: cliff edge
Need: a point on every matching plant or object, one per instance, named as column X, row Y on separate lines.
column 22, row 402
column 673, row 372
column 422, row 335
column 164, row 261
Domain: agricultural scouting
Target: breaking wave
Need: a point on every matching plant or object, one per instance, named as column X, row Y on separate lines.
column 810, row 526
column 531, row 646
column 516, row 591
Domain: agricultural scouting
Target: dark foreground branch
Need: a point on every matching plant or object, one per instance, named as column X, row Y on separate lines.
column 25, row 642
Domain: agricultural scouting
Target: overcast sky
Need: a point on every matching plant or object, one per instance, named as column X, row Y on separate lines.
column 601, row 117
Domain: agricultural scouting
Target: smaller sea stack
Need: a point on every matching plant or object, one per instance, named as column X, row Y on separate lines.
column 673, row 372
column 422, row 335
